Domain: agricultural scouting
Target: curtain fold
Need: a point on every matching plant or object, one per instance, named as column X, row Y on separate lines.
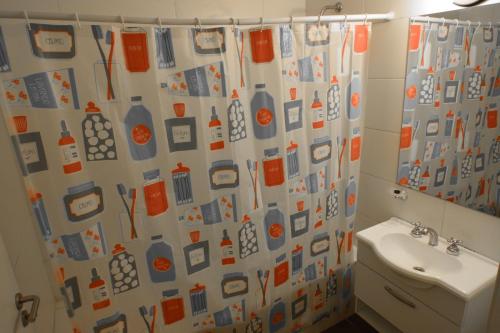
column 191, row 179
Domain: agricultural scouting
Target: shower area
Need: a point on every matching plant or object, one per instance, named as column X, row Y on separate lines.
column 188, row 174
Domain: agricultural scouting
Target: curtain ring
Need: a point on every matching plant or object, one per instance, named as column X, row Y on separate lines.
column 456, row 25
column 233, row 21
column 443, row 21
column 468, row 24
column 198, row 23
column 366, row 19
column 26, row 17
column 413, row 20
column 291, row 22
column 159, row 22
column 429, row 21
column 77, row 20
column 261, row 23
column 123, row 22
column 490, row 25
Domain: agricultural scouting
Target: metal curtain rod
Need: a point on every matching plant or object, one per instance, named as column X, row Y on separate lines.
column 75, row 17
column 451, row 21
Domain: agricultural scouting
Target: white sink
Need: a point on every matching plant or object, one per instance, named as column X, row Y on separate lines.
column 464, row 275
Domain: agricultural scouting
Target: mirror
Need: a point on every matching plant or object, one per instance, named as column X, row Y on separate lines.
column 450, row 132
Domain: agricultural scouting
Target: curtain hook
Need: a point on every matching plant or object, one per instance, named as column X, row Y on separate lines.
column 366, row 19
column 428, row 21
column 456, row 25
column 443, row 21
column 26, row 17
column 319, row 20
column 159, row 22
column 468, row 24
column 77, row 20
column 413, row 20
column 291, row 22
column 198, row 23
column 123, row 22
column 261, row 23
column 490, row 25
column 233, row 21
column 345, row 21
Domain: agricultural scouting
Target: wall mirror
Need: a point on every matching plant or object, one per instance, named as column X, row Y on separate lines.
column 450, row 132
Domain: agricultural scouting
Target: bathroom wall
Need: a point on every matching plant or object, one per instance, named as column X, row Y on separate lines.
column 382, row 128
column 16, row 224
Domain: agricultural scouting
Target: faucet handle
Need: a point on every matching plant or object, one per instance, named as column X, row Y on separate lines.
column 418, row 230
column 453, row 248
column 454, row 241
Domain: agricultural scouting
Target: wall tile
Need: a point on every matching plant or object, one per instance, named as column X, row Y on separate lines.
column 405, row 8
column 148, row 8
column 380, row 154
column 313, row 7
column 219, row 8
column 30, row 5
column 376, row 202
column 363, row 222
column 283, row 8
column 388, row 50
column 384, row 104
column 479, row 231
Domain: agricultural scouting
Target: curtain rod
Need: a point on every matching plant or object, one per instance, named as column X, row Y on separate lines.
column 189, row 21
column 451, row 21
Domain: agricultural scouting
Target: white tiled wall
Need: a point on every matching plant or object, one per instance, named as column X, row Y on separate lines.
column 16, row 225
column 382, row 126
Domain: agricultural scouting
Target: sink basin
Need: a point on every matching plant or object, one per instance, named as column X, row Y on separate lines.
column 464, row 275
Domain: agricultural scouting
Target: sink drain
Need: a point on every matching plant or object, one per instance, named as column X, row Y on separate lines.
column 418, row 268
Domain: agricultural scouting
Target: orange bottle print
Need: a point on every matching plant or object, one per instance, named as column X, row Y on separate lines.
column 361, row 38
column 355, row 144
column 414, row 37
column 261, row 42
column 274, row 174
column 154, row 193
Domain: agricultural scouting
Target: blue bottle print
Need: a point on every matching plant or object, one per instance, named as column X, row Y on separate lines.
column 140, row 131
column 350, row 197
column 274, row 222
column 354, row 97
column 277, row 316
column 263, row 113
column 160, row 261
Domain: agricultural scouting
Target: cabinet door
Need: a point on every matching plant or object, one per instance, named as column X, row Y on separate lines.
column 398, row 307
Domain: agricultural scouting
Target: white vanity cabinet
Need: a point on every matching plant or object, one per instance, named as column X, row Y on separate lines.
column 415, row 307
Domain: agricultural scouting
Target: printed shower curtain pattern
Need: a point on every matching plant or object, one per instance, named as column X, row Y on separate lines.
column 191, row 179
column 450, row 139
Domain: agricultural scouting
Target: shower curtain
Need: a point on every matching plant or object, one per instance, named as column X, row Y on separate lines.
column 450, row 143
column 191, row 178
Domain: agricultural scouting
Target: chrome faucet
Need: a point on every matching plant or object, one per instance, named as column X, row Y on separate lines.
column 419, row 230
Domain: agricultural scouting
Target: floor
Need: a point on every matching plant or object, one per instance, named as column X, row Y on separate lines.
column 353, row 324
